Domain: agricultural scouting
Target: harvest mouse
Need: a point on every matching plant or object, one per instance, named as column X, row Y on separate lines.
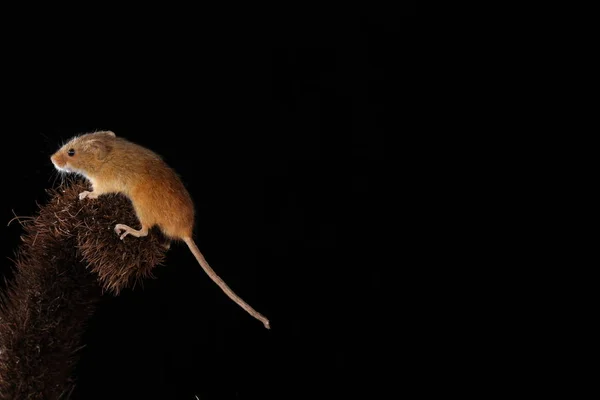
column 115, row 165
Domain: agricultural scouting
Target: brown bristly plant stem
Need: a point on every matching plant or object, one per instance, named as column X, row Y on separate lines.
column 69, row 256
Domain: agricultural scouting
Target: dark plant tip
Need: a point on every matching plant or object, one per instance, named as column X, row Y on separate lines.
column 69, row 255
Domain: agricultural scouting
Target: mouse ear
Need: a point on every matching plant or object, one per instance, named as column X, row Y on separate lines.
column 100, row 148
column 106, row 133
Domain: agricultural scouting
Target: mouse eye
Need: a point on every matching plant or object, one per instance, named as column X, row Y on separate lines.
column 71, row 152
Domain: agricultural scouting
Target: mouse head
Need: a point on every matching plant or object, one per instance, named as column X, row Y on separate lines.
column 84, row 154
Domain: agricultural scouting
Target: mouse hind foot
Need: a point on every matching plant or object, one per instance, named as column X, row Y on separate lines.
column 124, row 230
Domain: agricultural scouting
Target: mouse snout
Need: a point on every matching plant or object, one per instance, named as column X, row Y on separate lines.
column 58, row 161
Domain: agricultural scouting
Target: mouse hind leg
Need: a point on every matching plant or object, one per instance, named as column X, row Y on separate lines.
column 124, row 230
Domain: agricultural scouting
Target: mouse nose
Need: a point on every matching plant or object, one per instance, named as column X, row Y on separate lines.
column 56, row 161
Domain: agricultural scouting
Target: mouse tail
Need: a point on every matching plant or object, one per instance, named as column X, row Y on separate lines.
column 212, row 274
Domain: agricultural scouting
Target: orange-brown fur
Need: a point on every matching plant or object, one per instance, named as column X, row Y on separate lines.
column 116, row 165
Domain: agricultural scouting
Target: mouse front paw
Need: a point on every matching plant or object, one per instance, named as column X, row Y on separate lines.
column 89, row 195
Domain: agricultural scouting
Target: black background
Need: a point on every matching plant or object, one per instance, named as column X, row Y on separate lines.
column 282, row 130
